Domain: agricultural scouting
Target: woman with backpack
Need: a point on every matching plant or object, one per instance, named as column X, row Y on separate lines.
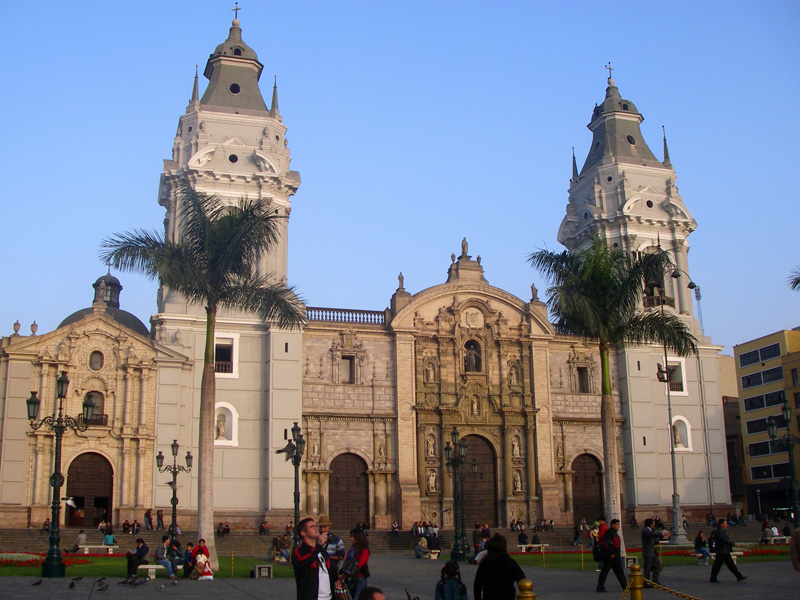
column 497, row 573
column 450, row 586
column 356, row 561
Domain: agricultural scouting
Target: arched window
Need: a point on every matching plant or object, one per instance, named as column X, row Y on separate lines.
column 98, row 416
column 472, row 357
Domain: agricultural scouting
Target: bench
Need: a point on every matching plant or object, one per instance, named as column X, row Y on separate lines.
column 434, row 554
column 779, row 539
column 734, row 556
column 99, row 547
column 532, row 547
column 151, row 570
column 262, row 571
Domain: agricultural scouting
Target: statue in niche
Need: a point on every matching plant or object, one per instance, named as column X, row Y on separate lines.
column 517, row 482
column 475, row 405
column 430, row 446
column 560, row 455
column 513, row 375
column 431, row 481
column 676, row 436
column 472, row 358
column 382, row 450
column 515, row 447
column 221, row 420
column 315, row 449
column 430, row 373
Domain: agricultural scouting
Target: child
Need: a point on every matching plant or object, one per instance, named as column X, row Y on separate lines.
column 450, row 586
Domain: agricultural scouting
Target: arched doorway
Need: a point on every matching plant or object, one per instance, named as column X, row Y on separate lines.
column 480, row 489
column 587, row 488
column 349, row 492
column 90, row 484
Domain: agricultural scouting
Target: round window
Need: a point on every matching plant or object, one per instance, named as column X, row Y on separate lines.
column 649, row 204
column 631, row 140
column 190, row 129
column 234, row 88
column 233, row 158
column 609, row 179
column 96, row 360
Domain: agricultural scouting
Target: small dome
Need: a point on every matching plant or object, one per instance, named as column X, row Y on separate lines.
column 614, row 102
column 106, row 294
column 234, row 46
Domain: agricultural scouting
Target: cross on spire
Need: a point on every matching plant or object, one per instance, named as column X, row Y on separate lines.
column 236, row 10
column 609, row 68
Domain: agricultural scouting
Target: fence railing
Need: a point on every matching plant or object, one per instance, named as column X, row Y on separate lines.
column 346, row 315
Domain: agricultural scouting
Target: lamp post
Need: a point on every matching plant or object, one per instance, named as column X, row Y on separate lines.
column 294, row 451
column 53, row 565
column 677, row 532
column 175, row 468
column 758, row 498
column 789, row 442
column 456, row 455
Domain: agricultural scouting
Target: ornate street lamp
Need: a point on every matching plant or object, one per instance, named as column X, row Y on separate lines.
column 788, row 441
column 53, row 565
column 677, row 532
column 175, row 468
column 455, row 457
column 294, row 451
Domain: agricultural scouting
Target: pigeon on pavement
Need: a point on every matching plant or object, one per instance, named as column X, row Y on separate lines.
column 71, row 585
column 103, row 588
column 37, row 582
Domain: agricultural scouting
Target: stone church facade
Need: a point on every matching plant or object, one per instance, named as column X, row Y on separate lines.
column 377, row 393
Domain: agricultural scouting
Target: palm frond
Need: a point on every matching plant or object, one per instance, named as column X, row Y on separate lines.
column 274, row 302
column 137, row 251
column 794, row 279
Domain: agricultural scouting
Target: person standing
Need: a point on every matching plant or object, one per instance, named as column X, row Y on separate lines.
column 148, row 519
column 159, row 520
column 613, row 546
column 723, row 546
column 794, row 549
column 652, row 560
column 357, row 559
column 311, row 564
column 334, row 545
column 497, row 573
column 450, row 586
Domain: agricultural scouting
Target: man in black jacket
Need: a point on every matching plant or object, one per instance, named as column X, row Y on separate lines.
column 613, row 546
column 311, row 564
column 139, row 557
column 723, row 548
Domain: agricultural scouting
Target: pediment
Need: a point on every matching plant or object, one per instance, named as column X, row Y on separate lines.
column 233, row 141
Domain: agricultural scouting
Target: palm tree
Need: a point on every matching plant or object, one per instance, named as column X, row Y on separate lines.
column 596, row 293
column 794, row 278
column 211, row 264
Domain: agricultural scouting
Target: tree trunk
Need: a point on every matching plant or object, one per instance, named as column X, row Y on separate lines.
column 610, row 446
column 205, row 450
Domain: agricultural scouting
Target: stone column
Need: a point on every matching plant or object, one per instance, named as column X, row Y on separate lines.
column 530, row 453
column 421, row 457
column 324, row 492
column 39, row 476
column 124, row 501
column 508, row 470
column 141, row 455
column 684, row 293
column 127, row 403
column 570, row 505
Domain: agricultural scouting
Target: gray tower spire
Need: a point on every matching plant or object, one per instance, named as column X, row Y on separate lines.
column 574, row 166
column 195, row 93
column 667, row 161
column 274, row 112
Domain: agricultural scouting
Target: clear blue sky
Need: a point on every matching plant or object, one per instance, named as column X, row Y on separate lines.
column 413, row 125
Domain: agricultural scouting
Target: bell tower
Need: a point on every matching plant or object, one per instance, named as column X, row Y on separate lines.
column 627, row 195
column 230, row 144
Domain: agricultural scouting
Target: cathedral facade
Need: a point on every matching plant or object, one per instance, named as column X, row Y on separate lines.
column 380, row 395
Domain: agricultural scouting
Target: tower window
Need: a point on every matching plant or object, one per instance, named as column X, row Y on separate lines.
column 584, row 387
column 624, row 107
column 649, row 204
column 347, row 371
column 233, row 158
column 631, row 140
column 234, row 88
column 223, row 356
column 237, row 51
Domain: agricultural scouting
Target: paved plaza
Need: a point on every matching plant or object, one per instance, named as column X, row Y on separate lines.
column 395, row 573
